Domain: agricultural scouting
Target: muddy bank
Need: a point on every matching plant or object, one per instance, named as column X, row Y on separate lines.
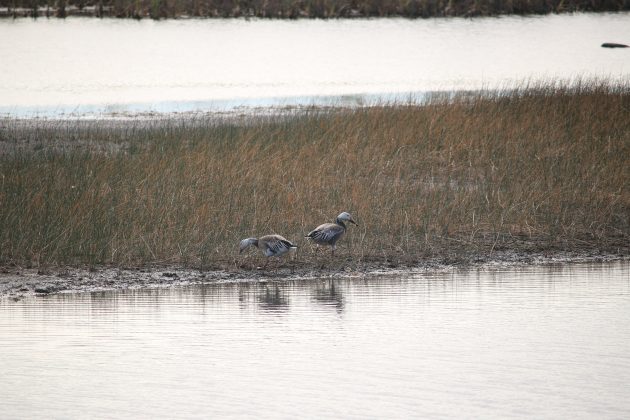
column 18, row 282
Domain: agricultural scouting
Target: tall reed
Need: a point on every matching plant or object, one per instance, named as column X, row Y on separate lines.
column 530, row 169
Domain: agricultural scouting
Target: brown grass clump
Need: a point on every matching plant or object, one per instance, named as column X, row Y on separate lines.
column 531, row 169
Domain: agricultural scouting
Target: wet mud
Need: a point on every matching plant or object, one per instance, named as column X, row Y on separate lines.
column 19, row 282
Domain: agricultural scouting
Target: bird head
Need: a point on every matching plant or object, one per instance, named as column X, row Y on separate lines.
column 346, row 217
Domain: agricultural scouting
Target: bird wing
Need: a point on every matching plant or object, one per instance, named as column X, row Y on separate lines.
column 280, row 238
column 326, row 232
column 276, row 244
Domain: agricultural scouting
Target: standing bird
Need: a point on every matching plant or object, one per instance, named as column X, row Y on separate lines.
column 330, row 233
column 270, row 245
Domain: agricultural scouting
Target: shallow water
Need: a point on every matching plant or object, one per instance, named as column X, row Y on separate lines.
column 95, row 66
column 536, row 342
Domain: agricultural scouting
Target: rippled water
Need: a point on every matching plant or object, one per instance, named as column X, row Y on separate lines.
column 539, row 342
column 88, row 66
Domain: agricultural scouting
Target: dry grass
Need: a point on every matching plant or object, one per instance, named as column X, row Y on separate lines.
column 291, row 9
column 535, row 169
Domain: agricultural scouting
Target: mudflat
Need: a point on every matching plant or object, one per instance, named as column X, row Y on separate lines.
column 19, row 282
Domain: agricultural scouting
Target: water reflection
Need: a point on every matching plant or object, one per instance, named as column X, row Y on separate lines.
column 506, row 342
column 329, row 294
column 169, row 67
column 273, row 298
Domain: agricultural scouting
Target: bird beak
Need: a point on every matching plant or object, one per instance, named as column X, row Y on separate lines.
column 240, row 252
column 352, row 221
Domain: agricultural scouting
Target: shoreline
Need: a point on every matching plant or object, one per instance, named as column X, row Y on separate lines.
column 139, row 10
column 17, row 282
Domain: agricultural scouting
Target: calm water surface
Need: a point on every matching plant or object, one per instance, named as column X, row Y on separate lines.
column 539, row 342
column 83, row 66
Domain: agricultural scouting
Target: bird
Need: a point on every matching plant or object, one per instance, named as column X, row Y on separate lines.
column 270, row 245
column 330, row 233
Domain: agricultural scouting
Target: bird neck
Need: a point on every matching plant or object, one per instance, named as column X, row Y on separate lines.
column 340, row 223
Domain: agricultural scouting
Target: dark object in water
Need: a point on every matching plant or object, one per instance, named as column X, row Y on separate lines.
column 613, row 45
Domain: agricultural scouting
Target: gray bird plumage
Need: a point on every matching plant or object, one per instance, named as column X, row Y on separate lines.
column 269, row 245
column 330, row 233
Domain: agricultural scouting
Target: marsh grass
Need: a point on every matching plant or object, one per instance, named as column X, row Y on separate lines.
column 291, row 9
column 532, row 169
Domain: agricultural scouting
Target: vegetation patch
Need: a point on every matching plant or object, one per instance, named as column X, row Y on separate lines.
column 292, row 9
column 536, row 169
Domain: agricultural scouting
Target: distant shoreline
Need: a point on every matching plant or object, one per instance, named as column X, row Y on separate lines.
column 305, row 9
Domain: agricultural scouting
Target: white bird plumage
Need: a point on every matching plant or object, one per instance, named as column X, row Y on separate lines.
column 330, row 233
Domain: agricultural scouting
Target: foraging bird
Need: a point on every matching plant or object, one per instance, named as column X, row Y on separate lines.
column 330, row 233
column 270, row 245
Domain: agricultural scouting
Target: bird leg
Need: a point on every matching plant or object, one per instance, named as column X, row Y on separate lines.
column 323, row 260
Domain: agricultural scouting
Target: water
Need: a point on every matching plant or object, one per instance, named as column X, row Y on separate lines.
column 105, row 66
column 536, row 342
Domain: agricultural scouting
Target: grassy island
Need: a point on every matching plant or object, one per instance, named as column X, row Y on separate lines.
column 530, row 170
